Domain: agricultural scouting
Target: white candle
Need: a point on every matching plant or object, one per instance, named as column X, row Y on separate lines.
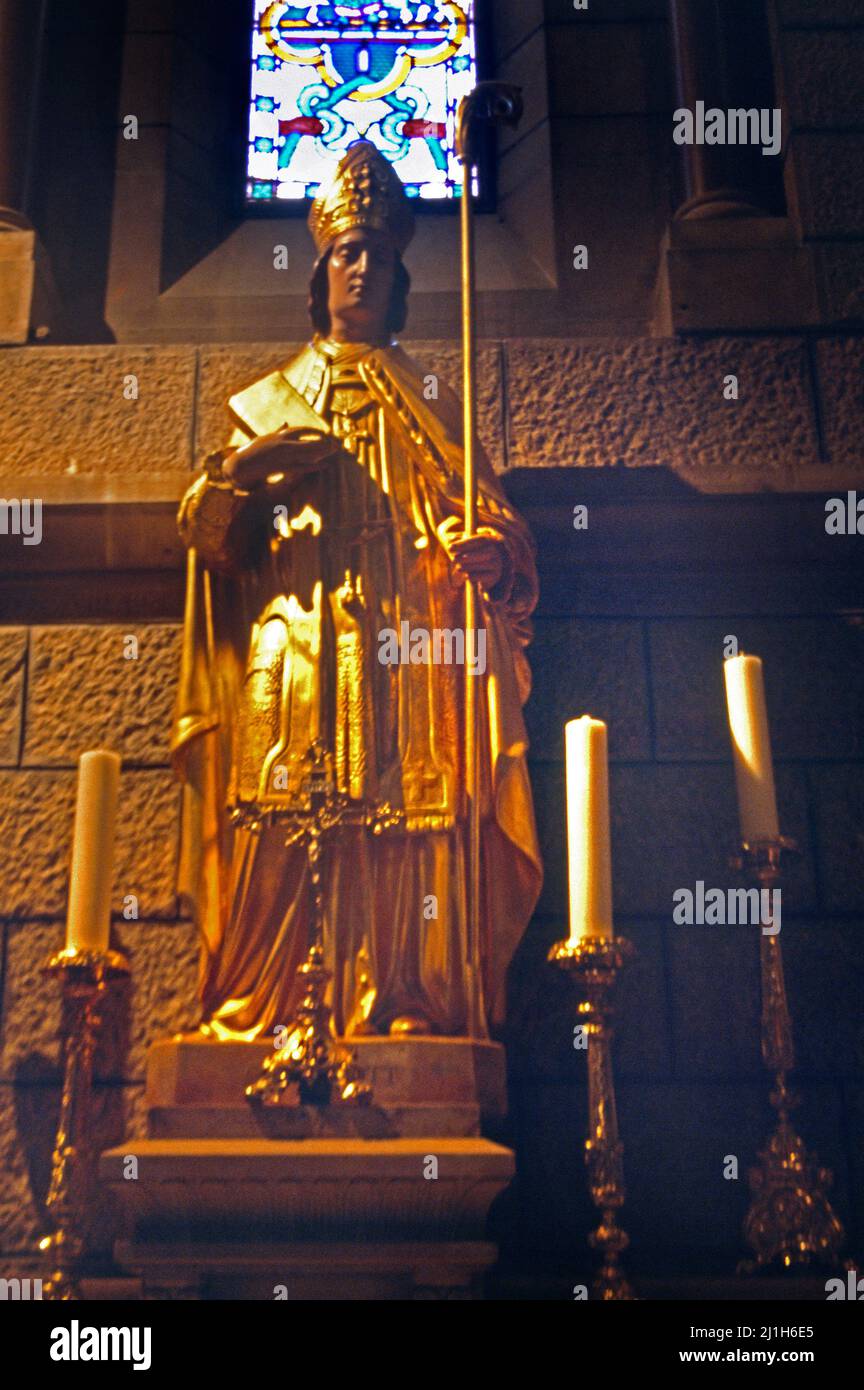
column 588, row 846
column 92, row 872
column 751, row 748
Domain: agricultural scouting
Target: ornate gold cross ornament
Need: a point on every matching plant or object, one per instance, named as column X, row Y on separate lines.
column 312, row 1066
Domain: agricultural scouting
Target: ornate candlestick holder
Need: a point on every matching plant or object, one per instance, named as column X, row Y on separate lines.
column 323, row 1070
column 593, row 963
column 84, row 976
column 790, row 1218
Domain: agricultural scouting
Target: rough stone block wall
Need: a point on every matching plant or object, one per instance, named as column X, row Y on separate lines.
column 82, row 692
column 641, row 651
column 795, row 423
column 819, row 66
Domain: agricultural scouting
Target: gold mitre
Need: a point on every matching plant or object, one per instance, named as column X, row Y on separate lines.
column 365, row 192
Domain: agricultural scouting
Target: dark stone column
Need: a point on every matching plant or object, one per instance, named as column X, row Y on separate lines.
column 20, row 33
column 26, row 291
column 713, row 50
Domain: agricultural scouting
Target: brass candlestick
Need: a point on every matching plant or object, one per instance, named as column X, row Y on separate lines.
column 85, row 976
column 790, row 1218
column 593, row 963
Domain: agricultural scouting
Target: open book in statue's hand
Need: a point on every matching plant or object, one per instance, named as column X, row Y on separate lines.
column 281, row 457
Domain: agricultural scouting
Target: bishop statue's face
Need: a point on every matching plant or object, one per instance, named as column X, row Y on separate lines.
column 360, row 274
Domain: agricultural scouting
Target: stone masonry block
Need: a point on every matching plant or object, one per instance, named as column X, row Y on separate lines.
column 610, row 69
column 687, row 683
column 150, row 16
column 153, row 16
column 120, row 703
column 227, row 370
column 839, row 798
column 19, row 286
column 554, row 1208
column 158, row 999
column 147, row 62
column 820, row 13
column 37, row 811
column 715, row 1000
column 514, row 23
column 674, row 825
column 604, row 11
column 826, row 187
column 823, row 962
column 840, row 274
column 854, row 1115
column 643, row 1038
column 840, row 366
column 87, row 15
column 147, row 842
column 588, row 667
column 79, row 56
column 658, row 402
column 547, row 782
column 823, row 77
column 63, row 410
column 629, row 166
column 676, row 1137
column 168, row 80
column 815, row 707
column 13, row 655
column 525, row 197
column 671, row 825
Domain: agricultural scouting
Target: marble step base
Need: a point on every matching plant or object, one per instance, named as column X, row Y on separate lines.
column 308, row 1188
column 320, row 1218
column 313, row 1122
column 310, row 1271
column 444, row 1086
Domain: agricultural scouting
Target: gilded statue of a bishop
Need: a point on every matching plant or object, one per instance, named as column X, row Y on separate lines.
column 325, row 598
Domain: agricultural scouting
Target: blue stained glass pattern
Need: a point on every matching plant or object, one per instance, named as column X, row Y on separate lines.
column 326, row 75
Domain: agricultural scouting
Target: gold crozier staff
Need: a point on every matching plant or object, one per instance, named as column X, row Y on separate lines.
column 490, row 102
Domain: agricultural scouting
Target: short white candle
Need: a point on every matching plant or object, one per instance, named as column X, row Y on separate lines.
column 751, row 748
column 588, row 840
column 92, row 873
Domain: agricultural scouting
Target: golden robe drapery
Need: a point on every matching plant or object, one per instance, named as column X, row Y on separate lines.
column 282, row 646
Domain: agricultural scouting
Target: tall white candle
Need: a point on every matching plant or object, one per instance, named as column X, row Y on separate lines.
column 92, row 873
column 588, row 847
column 751, row 748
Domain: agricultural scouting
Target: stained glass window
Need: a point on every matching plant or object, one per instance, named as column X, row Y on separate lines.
column 325, row 75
